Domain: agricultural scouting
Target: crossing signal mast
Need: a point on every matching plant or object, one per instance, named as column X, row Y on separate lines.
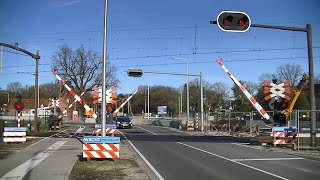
column 233, row 21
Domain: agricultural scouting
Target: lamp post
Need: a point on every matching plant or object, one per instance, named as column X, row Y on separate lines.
column 187, row 64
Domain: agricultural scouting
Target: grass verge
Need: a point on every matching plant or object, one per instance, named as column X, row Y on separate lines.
column 8, row 148
column 102, row 169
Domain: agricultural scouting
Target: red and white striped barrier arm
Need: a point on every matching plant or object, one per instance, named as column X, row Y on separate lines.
column 125, row 102
column 76, row 97
column 253, row 101
column 69, row 107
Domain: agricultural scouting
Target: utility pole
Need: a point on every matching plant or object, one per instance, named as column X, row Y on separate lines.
column 36, row 57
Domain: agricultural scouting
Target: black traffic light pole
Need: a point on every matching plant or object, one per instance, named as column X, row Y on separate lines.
column 311, row 72
column 36, row 57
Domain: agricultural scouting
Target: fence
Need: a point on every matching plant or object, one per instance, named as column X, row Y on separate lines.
column 252, row 122
column 303, row 123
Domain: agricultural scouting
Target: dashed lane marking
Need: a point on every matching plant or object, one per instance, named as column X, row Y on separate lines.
column 147, row 130
column 231, row 160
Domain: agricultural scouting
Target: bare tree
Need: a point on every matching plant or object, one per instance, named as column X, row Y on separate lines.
column 14, row 87
column 82, row 67
column 289, row 72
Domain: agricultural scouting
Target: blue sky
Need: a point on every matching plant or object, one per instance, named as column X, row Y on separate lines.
column 146, row 33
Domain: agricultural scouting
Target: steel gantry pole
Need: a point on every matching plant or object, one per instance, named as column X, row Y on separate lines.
column 104, row 69
column 37, row 58
column 201, row 101
column 311, row 71
column 188, row 105
column 182, row 74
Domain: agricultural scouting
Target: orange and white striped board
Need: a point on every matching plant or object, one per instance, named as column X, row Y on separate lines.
column 285, row 141
column 190, row 127
column 284, row 134
column 101, row 154
column 108, row 131
column 101, row 147
column 14, row 134
column 14, row 139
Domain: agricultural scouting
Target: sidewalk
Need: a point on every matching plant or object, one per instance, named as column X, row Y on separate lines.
column 50, row 158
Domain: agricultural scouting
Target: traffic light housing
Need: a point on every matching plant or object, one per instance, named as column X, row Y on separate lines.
column 134, row 72
column 18, row 105
column 233, row 21
column 111, row 95
column 279, row 117
column 109, row 107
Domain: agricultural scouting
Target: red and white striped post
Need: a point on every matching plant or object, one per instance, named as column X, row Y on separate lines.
column 19, row 114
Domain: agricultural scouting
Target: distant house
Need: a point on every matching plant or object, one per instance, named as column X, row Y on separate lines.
column 30, row 103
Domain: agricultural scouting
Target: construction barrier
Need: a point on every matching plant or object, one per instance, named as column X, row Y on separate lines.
column 15, row 134
column 196, row 122
column 110, row 129
column 97, row 147
column 284, row 135
column 97, row 131
column 190, row 127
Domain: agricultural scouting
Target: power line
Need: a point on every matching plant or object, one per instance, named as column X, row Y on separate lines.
column 203, row 53
column 211, row 61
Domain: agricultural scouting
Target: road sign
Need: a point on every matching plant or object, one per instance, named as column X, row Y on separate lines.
column 15, row 129
column 162, row 109
column 100, row 139
column 112, row 126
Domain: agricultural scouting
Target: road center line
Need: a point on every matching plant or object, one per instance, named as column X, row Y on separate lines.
column 251, row 167
column 20, row 171
column 268, row 159
column 147, row 130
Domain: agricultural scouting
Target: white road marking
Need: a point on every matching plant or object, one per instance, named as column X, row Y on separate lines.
column 169, row 128
column 251, row 167
column 143, row 158
column 246, row 145
column 268, row 159
column 20, row 171
column 147, row 130
column 147, row 162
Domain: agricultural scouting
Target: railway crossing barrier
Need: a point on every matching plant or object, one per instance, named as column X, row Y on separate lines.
column 98, row 147
column 14, row 134
column 196, row 122
column 190, row 127
column 284, row 135
column 110, row 129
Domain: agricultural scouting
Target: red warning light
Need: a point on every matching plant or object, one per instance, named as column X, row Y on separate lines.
column 228, row 20
column 241, row 22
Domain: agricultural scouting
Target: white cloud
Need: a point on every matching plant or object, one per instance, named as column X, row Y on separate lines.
column 63, row 3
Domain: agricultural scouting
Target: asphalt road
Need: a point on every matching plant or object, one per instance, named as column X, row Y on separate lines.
column 177, row 155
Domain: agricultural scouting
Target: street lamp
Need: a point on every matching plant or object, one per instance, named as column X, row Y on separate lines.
column 187, row 85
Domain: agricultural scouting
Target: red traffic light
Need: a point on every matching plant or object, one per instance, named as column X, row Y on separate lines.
column 233, row 21
column 109, row 107
column 18, row 105
column 227, row 20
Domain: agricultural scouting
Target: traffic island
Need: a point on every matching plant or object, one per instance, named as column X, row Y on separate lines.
column 125, row 167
